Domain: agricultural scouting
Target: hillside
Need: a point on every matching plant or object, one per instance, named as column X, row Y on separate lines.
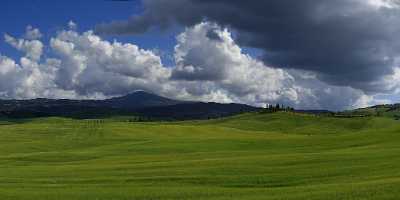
column 141, row 104
column 387, row 110
column 249, row 156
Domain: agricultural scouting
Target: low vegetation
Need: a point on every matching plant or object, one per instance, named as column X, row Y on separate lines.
column 388, row 110
column 279, row 155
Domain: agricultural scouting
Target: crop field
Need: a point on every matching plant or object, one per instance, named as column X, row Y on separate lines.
column 249, row 156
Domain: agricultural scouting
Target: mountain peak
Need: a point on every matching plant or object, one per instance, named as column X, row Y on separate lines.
column 140, row 93
column 141, row 99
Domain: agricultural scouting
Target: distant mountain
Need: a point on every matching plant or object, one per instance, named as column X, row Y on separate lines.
column 140, row 99
column 142, row 104
column 195, row 110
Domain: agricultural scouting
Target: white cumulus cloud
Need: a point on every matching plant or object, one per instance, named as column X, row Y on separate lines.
column 210, row 66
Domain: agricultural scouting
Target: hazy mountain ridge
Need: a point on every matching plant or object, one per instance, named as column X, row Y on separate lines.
column 139, row 103
column 150, row 106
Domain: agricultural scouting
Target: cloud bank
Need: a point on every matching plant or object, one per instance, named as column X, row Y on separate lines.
column 210, row 66
column 344, row 42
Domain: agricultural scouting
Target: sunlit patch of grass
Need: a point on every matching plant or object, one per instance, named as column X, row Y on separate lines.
column 249, row 156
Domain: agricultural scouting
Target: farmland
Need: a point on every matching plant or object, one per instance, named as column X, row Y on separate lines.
column 248, row 156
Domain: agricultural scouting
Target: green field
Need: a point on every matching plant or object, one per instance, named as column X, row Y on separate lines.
column 250, row 156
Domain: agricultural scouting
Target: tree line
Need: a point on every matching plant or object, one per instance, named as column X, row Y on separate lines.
column 276, row 108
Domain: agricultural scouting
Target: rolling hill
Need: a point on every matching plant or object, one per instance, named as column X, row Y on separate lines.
column 249, row 156
column 141, row 104
column 386, row 110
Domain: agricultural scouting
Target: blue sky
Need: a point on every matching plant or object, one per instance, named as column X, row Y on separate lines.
column 275, row 61
column 50, row 16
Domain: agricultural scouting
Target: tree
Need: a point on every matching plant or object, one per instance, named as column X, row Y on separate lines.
column 270, row 107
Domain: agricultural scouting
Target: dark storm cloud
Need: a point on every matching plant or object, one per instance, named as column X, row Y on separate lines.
column 347, row 42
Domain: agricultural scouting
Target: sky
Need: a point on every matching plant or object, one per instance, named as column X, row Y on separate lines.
column 307, row 54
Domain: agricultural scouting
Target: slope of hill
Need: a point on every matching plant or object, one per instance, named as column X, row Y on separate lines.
column 195, row 110
column 250, row 156
column 139, row 100
column 149, row 106
column 387, row 110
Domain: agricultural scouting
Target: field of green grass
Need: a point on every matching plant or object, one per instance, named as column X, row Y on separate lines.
column 250, row 156
column 388, row 110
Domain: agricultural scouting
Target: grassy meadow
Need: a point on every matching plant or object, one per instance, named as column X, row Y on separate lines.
column 250, row 156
